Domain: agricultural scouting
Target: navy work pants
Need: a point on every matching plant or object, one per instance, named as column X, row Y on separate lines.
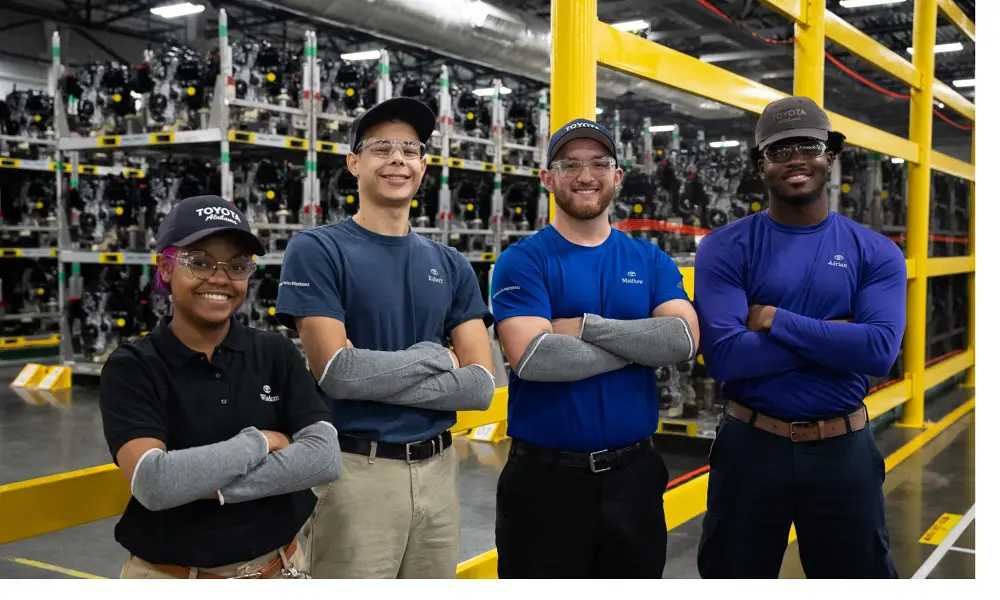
column 761, row 483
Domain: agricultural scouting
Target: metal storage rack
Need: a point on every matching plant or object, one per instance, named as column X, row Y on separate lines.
column 220, row 140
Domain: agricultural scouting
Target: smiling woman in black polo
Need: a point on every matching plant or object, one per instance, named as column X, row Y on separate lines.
column 198, row 416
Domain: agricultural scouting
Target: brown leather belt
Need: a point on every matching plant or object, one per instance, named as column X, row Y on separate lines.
column 800, row 431
column 270, row 569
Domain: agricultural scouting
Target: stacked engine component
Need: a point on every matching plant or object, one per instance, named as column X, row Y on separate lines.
column 29, row 295
column 27, row 209
column 26, row 114
column 176, row 87
column 269, row 192
column 99, row 99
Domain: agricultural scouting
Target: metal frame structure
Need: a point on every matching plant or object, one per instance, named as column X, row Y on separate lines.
column 581, row 42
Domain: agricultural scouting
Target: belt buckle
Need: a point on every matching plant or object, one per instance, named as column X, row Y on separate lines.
column 593, row 463
column 411, row 444
column 793, row 425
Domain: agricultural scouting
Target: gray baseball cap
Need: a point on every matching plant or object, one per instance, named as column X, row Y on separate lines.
column 792, row 117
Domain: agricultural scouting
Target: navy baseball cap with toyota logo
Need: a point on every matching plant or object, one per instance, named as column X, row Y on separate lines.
column 792, row 117
column 198, row 217
column 408, row 110
column 577, row 129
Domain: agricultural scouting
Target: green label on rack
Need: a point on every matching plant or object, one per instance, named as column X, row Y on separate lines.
column 311, row 51
column 444, row 180
column 383, row 68
column 496, row 184
column 56, row 51
column 75, row 268
column 310, row 165
column 223, row 31
column 444, row 82
column 74, row 182
column 62, row 278
column 225, row 158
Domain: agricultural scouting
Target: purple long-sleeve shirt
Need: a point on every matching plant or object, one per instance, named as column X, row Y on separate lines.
column 805, row 367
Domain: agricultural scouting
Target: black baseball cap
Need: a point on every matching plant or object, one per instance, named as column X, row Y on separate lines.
column 577, row 129
column 792, row 117
column 198, row 217
column 409, row 110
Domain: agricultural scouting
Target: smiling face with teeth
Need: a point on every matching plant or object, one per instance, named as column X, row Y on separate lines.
column 390, row 182
column 585, row 194
column 800, row 180
column 206, row 303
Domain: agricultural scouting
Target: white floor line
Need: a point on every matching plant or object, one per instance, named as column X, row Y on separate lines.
column 946, row 544
column 966, row 550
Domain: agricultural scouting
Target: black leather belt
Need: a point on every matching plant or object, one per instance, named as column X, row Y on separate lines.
column 597, row 462
column 410, row 452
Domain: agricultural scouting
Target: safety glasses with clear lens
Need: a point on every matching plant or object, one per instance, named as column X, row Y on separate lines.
column 571, row 168
column 202, row 266
column 410, row 149
column 806, row 150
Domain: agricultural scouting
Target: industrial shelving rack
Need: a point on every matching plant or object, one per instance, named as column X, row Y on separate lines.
column 219, row 137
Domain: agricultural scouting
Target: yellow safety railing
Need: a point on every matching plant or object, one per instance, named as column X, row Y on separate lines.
column 581, row 42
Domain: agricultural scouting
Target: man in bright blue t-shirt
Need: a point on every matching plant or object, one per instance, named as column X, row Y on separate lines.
column 585, row 314
column 798, row 306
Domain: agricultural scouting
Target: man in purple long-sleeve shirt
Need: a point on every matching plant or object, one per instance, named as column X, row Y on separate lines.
column 798, row 307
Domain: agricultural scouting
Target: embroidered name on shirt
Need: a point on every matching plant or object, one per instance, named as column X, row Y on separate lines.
column 631, row 278
column 838, row 261
column 266, row 397
column 434, row 277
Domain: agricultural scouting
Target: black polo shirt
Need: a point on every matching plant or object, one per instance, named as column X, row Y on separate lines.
column 159, row 388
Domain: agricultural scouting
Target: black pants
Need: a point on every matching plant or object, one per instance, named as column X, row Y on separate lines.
column 566, row 522
column 761, row 483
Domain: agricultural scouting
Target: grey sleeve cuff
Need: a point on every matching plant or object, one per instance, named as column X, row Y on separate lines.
column 467, row 388
column 654, row 342
column 313, row 458
column 554, row 357
column 355, row 374
column 164, row 480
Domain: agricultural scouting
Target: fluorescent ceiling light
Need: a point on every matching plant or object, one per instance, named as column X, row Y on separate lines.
column 938, row 49
column 725, row 144
column 489, row 91
column 631, row 25
column 898, row 161
column 661, row 128
column 960, row 83
column 366, row 55
column 600, row 110
column 864, row 3
column 179, row 9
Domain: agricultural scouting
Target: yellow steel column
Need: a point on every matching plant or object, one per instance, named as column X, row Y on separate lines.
column 810, row 41
column 574, row 66
column 970, row 376
column 918, row 207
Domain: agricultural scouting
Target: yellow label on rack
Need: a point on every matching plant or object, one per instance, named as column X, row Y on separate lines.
column 109, row 141
column 296, row 143
column 9, row 163
column 457, row 163
column 10, row 252
column 489, row 167
column 326, row 147
column 153, row 258
column 111, row 258
column 508, row 169
column 489, row 257
column 535, row 172
column 434, row 159
column 88, row 170
column 133, row 173
column 245, row 137
column 161, row 138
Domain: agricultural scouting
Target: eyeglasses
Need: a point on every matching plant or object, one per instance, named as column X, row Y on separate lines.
column 202, row 266
column 412, row 150
column 806, row 150
column 570, row 168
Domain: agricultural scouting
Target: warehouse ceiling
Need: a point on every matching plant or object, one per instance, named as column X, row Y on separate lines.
column 512, row 37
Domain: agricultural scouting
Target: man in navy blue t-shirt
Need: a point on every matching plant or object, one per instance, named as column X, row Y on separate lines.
column 798, row 306
column 376, row 305
column 585, row 314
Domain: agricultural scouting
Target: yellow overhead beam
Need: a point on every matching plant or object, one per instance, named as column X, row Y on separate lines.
column 954, row 100
column 952, row 166
column 852, row 39
column 790, row 9
column 872, row 138
column 958, row 18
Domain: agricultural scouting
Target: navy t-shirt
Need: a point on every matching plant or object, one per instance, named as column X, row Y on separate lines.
column 390, row 292
column 547, row 276
column 805, row 368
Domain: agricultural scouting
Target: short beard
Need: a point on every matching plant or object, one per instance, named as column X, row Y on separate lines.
column 585, row 213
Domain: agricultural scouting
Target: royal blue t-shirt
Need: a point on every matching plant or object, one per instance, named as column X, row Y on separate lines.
column 805, row 368
column 390, row 292
column 545, row 275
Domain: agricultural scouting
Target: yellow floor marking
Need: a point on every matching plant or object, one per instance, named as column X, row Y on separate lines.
column 939, row 530
column 911, row 447
column 56, row 569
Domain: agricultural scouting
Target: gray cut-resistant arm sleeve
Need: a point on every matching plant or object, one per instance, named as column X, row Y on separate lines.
column 313, row 458
column 355, row 374
column 653, row 342
column 164, row 480
column 467, row 388
column 555, row 357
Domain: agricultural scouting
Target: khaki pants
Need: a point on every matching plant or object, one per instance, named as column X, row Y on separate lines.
column 387, row 520
column 136, row 568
